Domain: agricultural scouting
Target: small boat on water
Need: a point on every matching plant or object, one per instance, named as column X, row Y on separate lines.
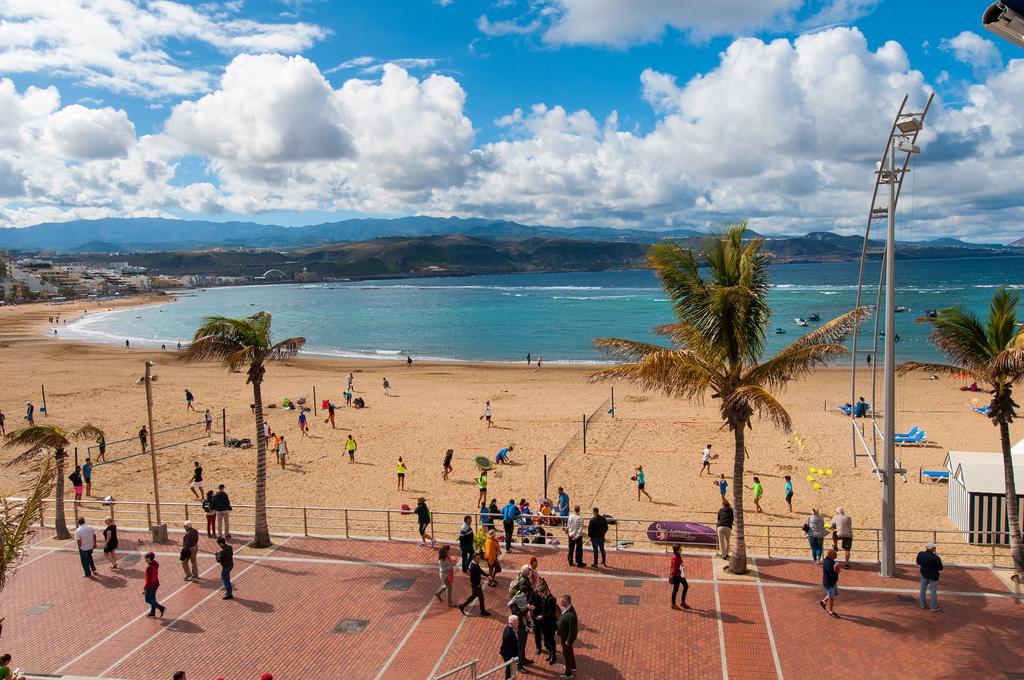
column 814, row 317
column 932, row 313
column 901, row 309
column 800, row 321
column 780, row 331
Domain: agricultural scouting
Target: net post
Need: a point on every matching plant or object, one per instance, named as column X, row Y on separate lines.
column 314, row 400
column 224, row 424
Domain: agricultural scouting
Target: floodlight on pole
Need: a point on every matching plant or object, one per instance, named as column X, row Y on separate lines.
column 1006, row 19
column 911, row 123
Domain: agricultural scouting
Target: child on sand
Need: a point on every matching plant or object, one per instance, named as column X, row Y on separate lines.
column 446, row 467
column 723, row 486
column 758, row 492
column 330, row 414
column 400, row 469
column 303, row 424
column 282, row 452
column 76, row 481
column 87, row 476
column 789, row 492
column 350, row 447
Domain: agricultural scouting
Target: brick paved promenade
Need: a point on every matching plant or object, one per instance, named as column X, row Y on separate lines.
column 291, row 599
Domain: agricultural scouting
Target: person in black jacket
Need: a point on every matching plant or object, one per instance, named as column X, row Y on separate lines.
column 423, row 519
column 724, row 528
column 931, row 565
column 545, row 618
column 225, row 557
column 477, row 592
column 596, row 531
column 222, row 506
column 509, row 646
column 466, row 542
column 568, row 627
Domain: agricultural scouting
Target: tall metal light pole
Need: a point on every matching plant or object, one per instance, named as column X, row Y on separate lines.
column 888, row 556
column 159, row 529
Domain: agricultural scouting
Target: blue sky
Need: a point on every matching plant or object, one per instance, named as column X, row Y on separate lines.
column 650, row 113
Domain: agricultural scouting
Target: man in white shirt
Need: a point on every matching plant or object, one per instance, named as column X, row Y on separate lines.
column 85, row 537
column 574, row 527
column 705, row 461
column 842, row 532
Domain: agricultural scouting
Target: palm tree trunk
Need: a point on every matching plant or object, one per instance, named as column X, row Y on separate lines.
column 262, row 538
column 59, row 522
column 738, row 558
column 1012, row 507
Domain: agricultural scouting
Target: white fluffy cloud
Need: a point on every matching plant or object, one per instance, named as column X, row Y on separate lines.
column 970, row 48
column 118, row 45
column 785, row 132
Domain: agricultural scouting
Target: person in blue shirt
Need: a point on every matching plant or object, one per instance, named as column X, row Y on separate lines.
column 563, row 502
column 723, row 486
column 509, row 513
column 87, row 475
column 641, row 483
column 830, row 582
column 502, row 457
column 789, row 492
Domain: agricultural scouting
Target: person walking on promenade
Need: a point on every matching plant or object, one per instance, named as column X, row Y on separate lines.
column 76, row 481
column 85, row 537
column 789, row 492
column 723, row 528
column 509, row 645
column 492, row 550
column 509, row 513
column 596, row 531
column 87, row 477
column 400, row 470
column 143, row 437
column 446, row 469
column 423, row 520
column 150, row 583
column 222, row 506
column 208, row 419
column 705, row 461
column 758, row 490
column 641, row 483
column 677, row 578
column 723, row 486
column 476, row 575
column 814, row 527
column 568, row 628
column 830, row 581
column 466, row 542
column 545, row 615
column 931, row 565
column 110, row 542
column 282, row 452
column 225, row 557
column 446, row 571
column 211, row 515
column 190, row 552
column 481, row 485
column 574, row 528
column 188, row 400
column 350, row 447
column 330, row 414
column 842, row 533
column 196, row 483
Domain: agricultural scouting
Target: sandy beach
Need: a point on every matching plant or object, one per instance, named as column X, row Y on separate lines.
column 434, row 407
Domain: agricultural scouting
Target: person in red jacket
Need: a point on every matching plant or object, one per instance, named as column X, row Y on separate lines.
column 151, row 583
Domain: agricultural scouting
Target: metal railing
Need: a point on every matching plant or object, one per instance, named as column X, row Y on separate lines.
column 764, row 540
column 468, row 671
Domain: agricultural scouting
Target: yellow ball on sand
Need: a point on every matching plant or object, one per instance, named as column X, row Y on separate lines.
column 829, row 471
column 810, row 479
column 811, row 470
column 817, row 486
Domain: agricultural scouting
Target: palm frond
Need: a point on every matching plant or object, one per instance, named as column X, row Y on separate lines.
column 836, row 330
column 218, row 348
column 791, row 363
column 1009, row 364
column 285, row 349
column 87, row 431
column 675, row 373
column 17, row 522
column 755, row 398
column 628, row 350
column 944, row 369
column 960, row 337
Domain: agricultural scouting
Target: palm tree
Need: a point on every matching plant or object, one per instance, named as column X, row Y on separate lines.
column 18, row 520
column 237, row 343
column 43, row 438
column 992, row 352
column 718, row 339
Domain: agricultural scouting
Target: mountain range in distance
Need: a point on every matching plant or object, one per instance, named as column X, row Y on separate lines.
column 421, row 245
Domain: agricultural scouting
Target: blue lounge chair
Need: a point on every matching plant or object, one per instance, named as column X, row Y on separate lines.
column 934, row 475
column 918, row 438
column 983, row 410
column 909, row 433
column 845, row 410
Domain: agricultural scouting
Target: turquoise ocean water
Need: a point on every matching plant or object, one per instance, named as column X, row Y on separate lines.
column 501, row 318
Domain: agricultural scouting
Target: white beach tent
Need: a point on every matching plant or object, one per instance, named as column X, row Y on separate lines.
column 977, row 493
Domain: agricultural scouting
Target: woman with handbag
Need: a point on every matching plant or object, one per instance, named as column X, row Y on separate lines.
column 677, row 578
column 446, row 570
column 814, row 527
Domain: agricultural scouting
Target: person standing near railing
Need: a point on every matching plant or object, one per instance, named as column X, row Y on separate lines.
column 726, row 517
column 842, row 533
column 931, row 565
column 466, row 542
column 596, row 530
column 509, row 513
column 211, row 515
column 190, row 552
column 222, row 506
column 814, row 527
column 574, row 528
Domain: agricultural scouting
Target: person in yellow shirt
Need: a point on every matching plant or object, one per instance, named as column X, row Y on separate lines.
column 350, row 446
column 401, row 470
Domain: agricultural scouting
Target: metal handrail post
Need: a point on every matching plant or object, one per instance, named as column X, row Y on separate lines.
column 305, row 522
column 346, row 523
